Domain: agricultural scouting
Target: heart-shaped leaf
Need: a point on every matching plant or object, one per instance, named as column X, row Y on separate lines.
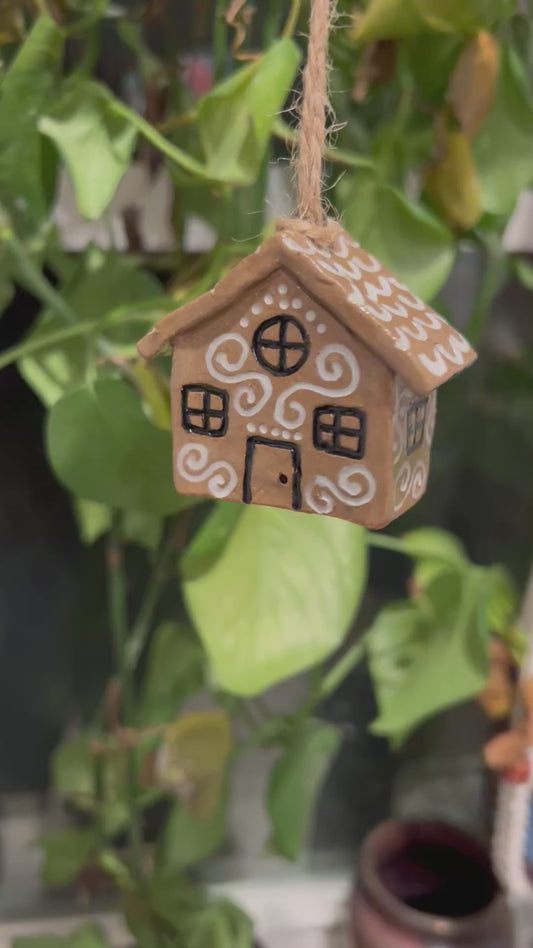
column 103, row 448
column 236, row 117
column 279, row 598
column 406, row 237
column 95, row 143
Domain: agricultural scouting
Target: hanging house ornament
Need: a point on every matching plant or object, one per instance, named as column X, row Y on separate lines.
column 306, row 379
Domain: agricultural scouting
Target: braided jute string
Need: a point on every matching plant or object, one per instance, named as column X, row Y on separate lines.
column 314, row 110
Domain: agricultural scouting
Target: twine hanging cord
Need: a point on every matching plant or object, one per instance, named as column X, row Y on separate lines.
column 314, row 110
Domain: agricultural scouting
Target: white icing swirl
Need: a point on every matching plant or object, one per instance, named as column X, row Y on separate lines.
column 252, row 396
column 193, row 465
column 355, row 487
column 335, row 364
column 410, row 483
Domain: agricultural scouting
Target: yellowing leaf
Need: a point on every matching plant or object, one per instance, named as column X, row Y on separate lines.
column 451, row 184
column 154, row 391
column 396, row 18
column 193, row 757
column 11, row 22
column 473, row 82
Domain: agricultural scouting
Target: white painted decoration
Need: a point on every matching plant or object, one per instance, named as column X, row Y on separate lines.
column 335, row 364
column 408, row 317
column 254, row 393
column 355, row 486
column 193, row 465
column 410, row 482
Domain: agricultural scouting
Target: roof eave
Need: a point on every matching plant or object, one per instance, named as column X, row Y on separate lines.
column 249, row 271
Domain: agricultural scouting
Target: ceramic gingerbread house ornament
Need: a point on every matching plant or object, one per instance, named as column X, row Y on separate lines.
column 307, row 379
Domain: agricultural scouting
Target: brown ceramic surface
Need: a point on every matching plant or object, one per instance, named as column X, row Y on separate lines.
column 427, row 885
column 321, row 369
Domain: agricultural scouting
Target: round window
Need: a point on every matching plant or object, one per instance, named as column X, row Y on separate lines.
column 281, row 345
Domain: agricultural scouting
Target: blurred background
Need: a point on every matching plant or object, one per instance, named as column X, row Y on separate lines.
column 432, row 174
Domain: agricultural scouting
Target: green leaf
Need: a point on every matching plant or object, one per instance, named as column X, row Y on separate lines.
column 405, row 237
column 524, row 272
column 66, row 854
column 173, row 899
column 95, row 143
column 39, row 941
column 427, row 656
column 73, row 772
column 430, row 59
column 117, row 870
column 279, row 598
column 103, row 448
column 101, row 284
column 143, row 529
column 175, row 671
column 435, row 552
column 93, row 519
column 74, row 779
column 24, row 92
column 398, row 18
column 505, row 140
column 186, row 840
column 221, row 924
column 295, row 783
column 210, row 540
column 434, row 544
column 235, row 119
column 502, row 601
column 88, row 936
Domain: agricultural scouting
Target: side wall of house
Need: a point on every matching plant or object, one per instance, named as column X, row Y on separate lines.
column 337, row 371
column 410, row 458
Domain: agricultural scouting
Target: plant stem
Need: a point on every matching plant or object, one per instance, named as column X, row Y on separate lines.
column 159, row 575
column 292, row 19
column 271, row 24
column 118, row 615
column 494, row 273
column 32, row 277
column 42, row 343
column 220, row 36
column 384, row 542
column 341, row 669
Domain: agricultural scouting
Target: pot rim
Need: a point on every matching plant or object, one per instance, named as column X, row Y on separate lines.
column 388, row 836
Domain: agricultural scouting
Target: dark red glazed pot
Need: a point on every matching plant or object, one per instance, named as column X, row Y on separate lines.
column 427, row 885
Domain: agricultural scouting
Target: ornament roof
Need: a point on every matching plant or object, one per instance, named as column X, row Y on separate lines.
column 410, row 337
